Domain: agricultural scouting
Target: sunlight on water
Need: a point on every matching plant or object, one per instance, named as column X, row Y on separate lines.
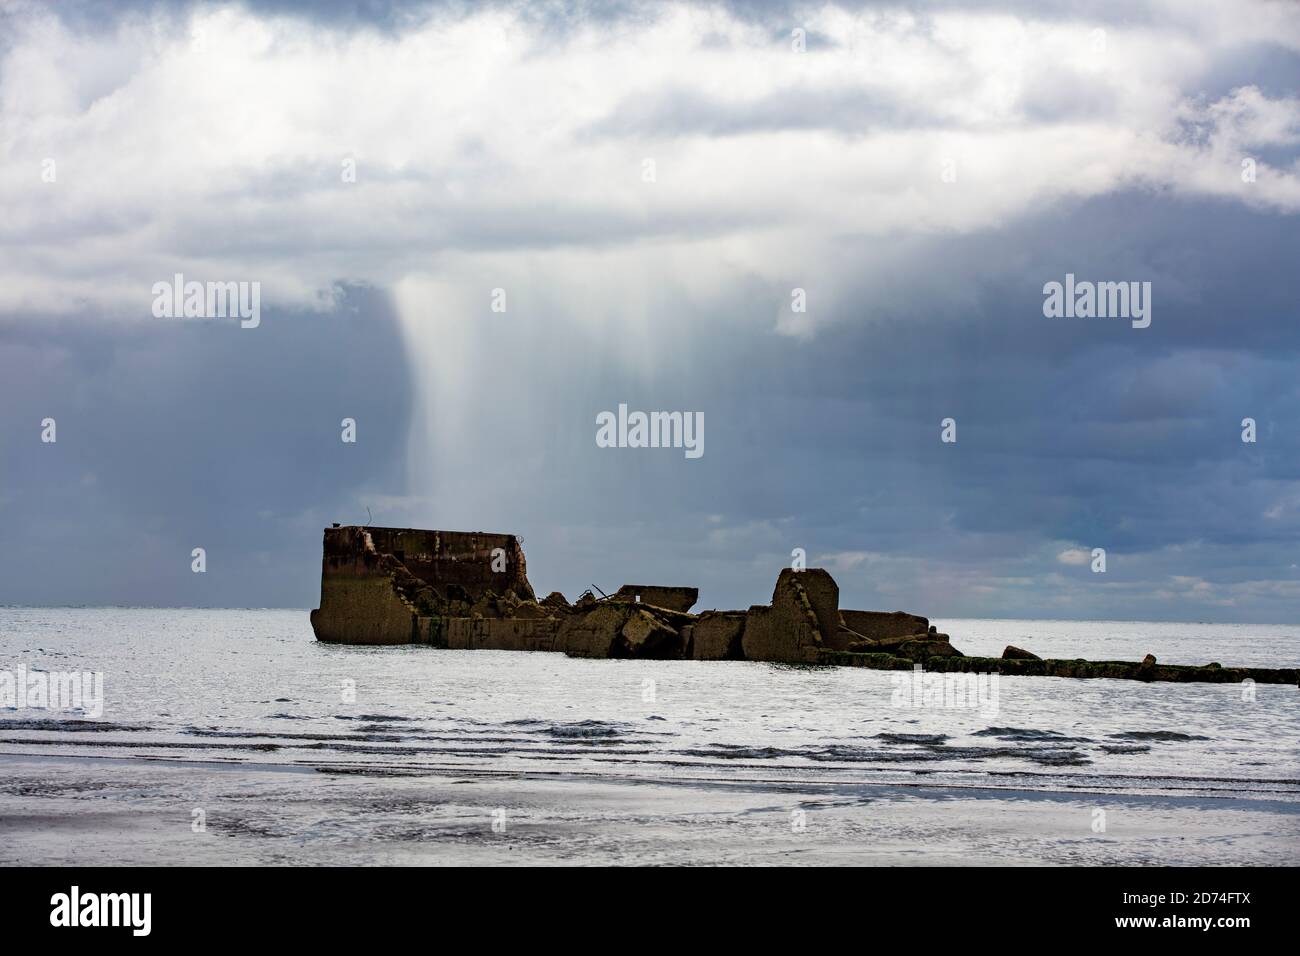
column 254, row 685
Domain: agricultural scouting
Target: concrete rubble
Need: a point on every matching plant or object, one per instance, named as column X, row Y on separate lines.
column 470, row 591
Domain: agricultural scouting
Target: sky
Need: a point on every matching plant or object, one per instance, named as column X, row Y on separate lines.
column 475, row 228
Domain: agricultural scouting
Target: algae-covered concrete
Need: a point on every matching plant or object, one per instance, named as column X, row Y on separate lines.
column 1035, row 667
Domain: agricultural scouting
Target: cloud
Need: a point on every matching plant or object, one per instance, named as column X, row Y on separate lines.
column 920, row 175
column 1075, row 556
column 211, row 140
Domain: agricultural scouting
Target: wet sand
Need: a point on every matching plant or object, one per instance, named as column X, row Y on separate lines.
column 111, row 811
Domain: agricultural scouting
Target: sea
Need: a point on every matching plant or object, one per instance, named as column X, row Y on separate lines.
column 233, row 737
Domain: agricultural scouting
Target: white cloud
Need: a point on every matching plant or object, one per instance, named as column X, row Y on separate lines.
column 847, row 561
column 1074, row 556
column 213, row 145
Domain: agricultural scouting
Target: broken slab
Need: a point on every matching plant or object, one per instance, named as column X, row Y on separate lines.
column 672, row 598
column 592, row 630
column 882, row 625
column 647, row 637
column 620, row 629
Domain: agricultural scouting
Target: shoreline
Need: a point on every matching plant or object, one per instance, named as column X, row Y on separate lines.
column 132, row 815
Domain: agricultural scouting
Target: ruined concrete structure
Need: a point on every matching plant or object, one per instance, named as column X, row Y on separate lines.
column 470, row 591
column 400, row 585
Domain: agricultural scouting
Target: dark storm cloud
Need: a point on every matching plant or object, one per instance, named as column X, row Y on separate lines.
column 1071, row 432
column 179, row 434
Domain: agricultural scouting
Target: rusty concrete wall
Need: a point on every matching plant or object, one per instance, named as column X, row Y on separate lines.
column 493, row 634
column 788, row 630
column 716, row 636
column 772, row 635
column 358, row 606
column 375, row 581
column 460, row 558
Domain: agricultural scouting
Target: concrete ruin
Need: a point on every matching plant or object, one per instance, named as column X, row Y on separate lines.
column 470, row 591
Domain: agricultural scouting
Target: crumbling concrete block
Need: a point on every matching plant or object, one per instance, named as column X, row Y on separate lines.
column 645, row 636
column 823, row 595
column 787, row 631
column 528, row 610
column 716, row 636
column 620, row 629
column 366, row 597
column 556, row 603
column 592, row 630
